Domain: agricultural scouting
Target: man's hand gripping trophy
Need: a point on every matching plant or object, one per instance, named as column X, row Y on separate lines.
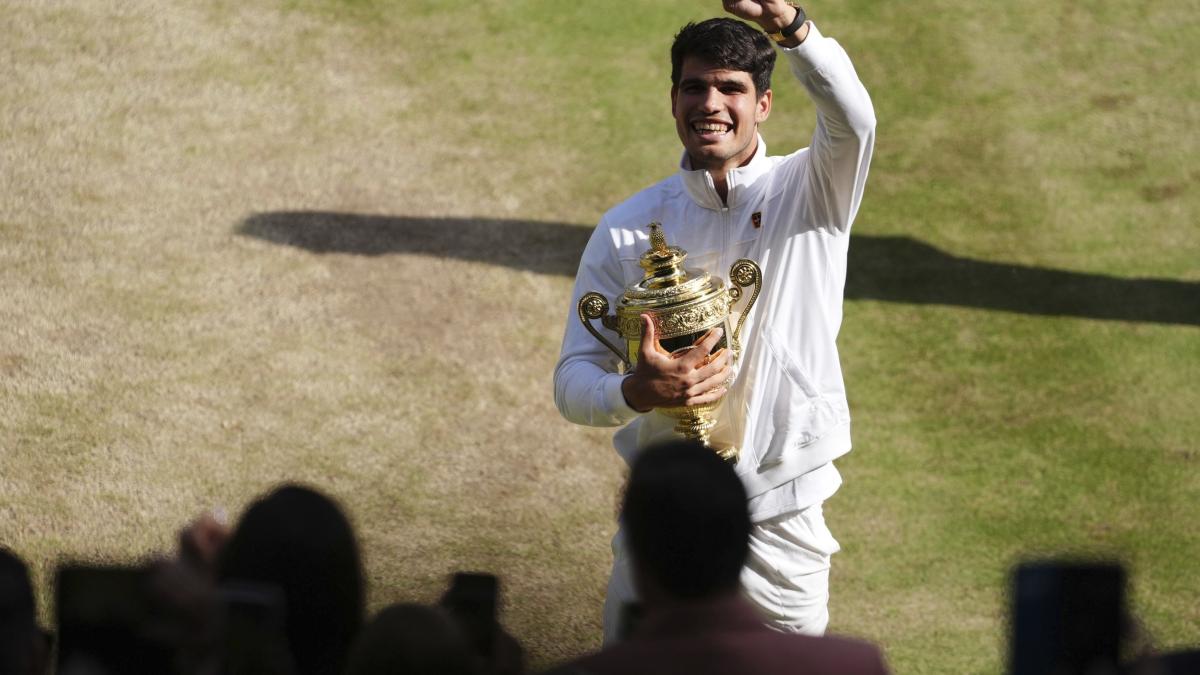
column 686, row 377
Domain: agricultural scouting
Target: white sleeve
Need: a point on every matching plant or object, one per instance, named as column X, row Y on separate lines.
column 845, row 132
column 587, row 384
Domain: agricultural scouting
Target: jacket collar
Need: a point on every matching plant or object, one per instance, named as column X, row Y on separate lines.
column 699, row 182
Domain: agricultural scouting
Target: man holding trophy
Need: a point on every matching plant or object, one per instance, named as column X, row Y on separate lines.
column 769, row 393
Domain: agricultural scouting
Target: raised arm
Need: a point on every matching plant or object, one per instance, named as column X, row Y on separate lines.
column 837, row 159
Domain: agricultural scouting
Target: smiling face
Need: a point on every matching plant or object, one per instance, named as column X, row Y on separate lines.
column 717, row 113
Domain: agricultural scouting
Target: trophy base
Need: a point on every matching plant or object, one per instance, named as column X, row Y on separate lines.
column 730, row 454
column 695, row 424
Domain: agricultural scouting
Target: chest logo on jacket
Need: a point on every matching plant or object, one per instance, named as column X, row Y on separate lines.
column 756, row 219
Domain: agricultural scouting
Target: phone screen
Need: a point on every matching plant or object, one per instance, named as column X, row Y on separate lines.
column 1067, row 617
column 472, row 599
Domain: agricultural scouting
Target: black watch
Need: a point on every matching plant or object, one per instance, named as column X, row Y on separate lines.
column 792, row 27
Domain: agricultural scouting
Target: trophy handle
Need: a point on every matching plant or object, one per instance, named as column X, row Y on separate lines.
column 743, row 273
column 594, row 306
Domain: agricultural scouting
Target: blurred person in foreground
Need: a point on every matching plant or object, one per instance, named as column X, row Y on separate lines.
column 409, row 639
column 23, row 646
column 786, row 409
column 299, row 541
column 280, row 594
column 446, row 639
column 688, row 532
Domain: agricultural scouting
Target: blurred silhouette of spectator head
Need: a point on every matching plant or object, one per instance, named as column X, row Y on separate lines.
column 688, row 528
column 299, row 540
column 412, row 639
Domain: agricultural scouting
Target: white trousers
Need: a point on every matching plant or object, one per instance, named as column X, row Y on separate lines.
column 786, row 574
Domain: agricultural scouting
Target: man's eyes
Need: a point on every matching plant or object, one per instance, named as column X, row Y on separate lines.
column 728, row 90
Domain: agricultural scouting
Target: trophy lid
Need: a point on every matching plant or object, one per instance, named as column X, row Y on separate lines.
column 663, row 264
column 666, row 280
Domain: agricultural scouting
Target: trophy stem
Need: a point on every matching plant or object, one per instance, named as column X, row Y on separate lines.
column 695, row 425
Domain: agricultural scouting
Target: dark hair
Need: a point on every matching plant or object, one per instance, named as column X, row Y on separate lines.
column 686, row 519
column 726, row 44
column 412, row 639
column 300, row 540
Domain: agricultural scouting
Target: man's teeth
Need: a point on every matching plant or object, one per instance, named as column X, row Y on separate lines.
column 705, row 128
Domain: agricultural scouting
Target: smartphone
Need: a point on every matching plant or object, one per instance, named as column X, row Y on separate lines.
column 473, row 599
column 103, row 614
column 1067, row 618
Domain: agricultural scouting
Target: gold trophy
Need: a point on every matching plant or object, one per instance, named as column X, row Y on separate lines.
column 684, row 305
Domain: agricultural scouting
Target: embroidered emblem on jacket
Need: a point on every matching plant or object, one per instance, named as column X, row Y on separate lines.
column 756, row 219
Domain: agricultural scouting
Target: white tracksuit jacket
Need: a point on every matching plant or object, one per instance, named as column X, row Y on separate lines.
column 786, row 408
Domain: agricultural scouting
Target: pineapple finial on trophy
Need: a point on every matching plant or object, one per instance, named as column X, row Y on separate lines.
column 658, row 242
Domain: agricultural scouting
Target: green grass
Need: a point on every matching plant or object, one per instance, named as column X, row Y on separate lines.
column 156, row 361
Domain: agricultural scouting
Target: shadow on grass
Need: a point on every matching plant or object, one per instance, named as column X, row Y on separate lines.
column 890, row 269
